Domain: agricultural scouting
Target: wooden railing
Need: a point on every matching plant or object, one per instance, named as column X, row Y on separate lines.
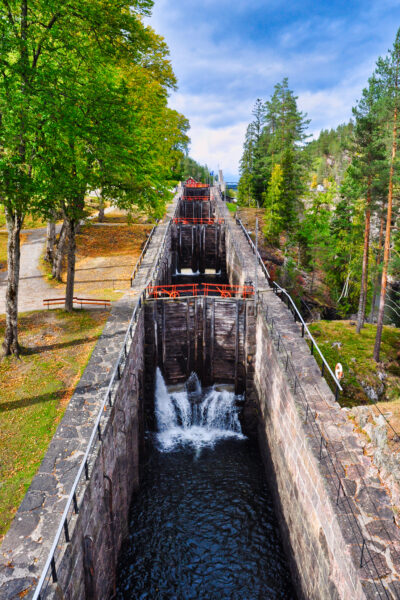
column 48, row 302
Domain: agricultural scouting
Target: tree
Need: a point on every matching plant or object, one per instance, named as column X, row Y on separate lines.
column 344, row 252
column 245, row 185
column 387, row 74
column 284, row 135
column 368, row 167
column 314, row 230
column 272, row 203
column 107, row 132
column 252, row 182
column 26, row 33
column 55, row 59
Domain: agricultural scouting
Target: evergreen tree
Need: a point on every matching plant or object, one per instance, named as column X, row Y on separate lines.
column 273, row 205
column 284, row 134
column 369, row 165
column 275, row 136
column 245, row 185
column 388, row 77
column 259, row 182
column 252, row 181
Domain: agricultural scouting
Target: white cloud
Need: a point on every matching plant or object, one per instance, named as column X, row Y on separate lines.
column 218, row 148
column 222, row 68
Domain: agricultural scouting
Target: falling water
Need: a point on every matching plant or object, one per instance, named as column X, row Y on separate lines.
column 194, row 417
column 202, row 526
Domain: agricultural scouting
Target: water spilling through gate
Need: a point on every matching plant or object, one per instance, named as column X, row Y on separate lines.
column 202, row 526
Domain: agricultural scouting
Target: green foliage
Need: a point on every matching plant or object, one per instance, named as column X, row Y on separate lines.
column 273, row 206
column 313, row 234
column 275, row 136
column 188, row 167
column 83, row 100
column 232, row 207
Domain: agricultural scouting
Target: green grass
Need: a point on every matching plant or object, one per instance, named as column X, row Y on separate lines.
column 355, row 355
column 34, row 392
column 30, row 221
column 232, row 206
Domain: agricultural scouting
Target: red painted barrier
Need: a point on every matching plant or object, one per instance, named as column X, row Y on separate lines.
column 195, row 221
column 200, row 289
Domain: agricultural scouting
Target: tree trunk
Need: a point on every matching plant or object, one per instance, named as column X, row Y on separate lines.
column 386, row 250
column 59, row 254
column 377, row 263
column 50, row 241
column 364, row 276
column 14, row 225
column 69, row 292
column 100, row 216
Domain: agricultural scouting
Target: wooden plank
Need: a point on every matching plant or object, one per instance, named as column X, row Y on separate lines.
column 236, row 346
column 163, row 336
column 204, row 299
column 212, row 336
column 195, row 334
column 155, row 326
column 188, row 336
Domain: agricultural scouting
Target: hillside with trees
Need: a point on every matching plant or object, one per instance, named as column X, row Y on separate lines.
column 330, row 206
column 188, row 167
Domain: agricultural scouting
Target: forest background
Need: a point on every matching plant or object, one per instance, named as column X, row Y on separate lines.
column 330, row 206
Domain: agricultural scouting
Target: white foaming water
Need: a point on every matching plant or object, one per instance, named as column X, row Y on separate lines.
column 189, row 418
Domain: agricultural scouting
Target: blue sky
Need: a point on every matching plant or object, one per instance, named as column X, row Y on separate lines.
column 228, row 53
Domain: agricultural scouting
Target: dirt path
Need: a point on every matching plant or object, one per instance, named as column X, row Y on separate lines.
column 33, row 288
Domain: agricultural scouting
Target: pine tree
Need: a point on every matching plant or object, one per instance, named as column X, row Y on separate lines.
column 284, row 135
column 252, row 177
column 369, row 165
column 245, row 185
column 388, row 76
column 273, row 205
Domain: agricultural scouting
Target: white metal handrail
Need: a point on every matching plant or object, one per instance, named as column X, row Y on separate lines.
column 139, row 260
column 295, row 311
column 94, row 437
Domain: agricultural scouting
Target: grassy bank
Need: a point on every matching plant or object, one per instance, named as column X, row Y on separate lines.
column 35, row 390
column 339, row 342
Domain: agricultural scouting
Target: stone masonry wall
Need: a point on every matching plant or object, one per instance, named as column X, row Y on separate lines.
column 319, row 529
column 101, row 524
column 87, row 569
column 324, row 565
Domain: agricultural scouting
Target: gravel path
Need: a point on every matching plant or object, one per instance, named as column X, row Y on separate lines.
column 33, row 288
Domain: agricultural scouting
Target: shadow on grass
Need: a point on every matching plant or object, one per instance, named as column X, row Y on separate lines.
column 42, row 398
column 78, row 281
column 26, row 351
column 39, row 399
column 120, row 265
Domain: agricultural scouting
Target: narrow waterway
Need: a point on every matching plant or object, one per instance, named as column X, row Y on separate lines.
column 202, row 526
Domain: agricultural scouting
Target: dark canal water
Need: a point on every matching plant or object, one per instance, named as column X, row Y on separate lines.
column 202, row 526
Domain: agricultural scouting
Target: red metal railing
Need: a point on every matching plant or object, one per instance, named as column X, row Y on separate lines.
column 172, row 291
column 195, row 221
column 227, row 291
column 194, row 198
column 200, row 289
column 196, row 185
